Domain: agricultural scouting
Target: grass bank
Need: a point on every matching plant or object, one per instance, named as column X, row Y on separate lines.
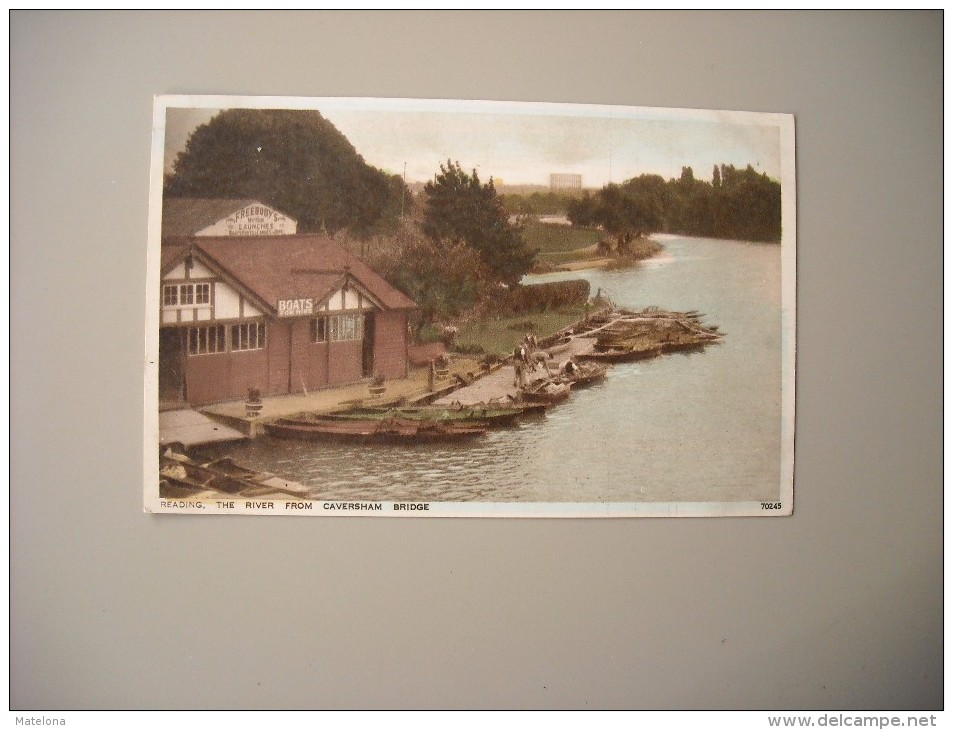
column 553, row 238
column 499, row 335
column 567, row 248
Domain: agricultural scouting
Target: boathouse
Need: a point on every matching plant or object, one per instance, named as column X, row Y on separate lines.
column 283, row 314
column 223, row 217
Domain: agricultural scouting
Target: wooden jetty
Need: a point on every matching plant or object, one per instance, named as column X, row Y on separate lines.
column 608, row 336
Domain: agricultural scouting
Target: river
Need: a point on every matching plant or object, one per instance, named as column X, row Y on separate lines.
column 699, row 427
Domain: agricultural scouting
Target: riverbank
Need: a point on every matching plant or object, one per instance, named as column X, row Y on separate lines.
column 607, row 336
column 590, row 257
column 610, row 335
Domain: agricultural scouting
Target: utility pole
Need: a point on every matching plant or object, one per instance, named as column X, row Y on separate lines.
column 403, row 192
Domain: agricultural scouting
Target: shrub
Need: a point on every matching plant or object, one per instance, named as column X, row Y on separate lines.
column 541, row 297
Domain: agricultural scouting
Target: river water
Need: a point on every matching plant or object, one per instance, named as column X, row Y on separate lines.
column 699, row 427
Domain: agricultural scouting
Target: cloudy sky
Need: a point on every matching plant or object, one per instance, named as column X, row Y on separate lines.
column 521, row 143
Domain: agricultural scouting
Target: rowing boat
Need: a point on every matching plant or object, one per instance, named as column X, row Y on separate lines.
column 620, row 354
column 584, row 375
column 475, row 415
column 545, row 392
column 179, row 475
column 390, row 429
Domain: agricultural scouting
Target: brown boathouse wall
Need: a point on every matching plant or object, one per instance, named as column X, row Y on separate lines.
column 391, row 344
column 291, row 363
column 225, row 375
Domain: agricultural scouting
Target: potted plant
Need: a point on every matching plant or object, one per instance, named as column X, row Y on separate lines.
column 443, row 367
column 377, row 386
column 253, row 404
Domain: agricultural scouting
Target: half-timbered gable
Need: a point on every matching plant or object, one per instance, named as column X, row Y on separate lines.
column 283, row 314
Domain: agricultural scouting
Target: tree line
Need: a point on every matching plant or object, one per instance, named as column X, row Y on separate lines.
column 737, row 203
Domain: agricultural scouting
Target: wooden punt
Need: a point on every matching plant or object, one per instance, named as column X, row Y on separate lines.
column 480, row 416
column 180, row 475
column 585, row 375
column 545, row 392
column 620, row 355
column 391, row 429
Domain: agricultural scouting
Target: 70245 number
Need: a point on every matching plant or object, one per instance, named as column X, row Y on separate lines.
column 770, row 505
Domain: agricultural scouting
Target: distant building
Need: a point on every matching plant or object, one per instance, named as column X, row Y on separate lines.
column 223, row 217
column 563, row 181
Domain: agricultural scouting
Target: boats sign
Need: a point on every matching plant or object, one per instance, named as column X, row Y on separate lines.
column 295, row 307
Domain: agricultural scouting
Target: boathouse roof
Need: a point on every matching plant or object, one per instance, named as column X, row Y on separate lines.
column 275, row 268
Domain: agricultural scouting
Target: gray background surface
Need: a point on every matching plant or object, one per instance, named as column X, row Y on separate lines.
column 839, row 606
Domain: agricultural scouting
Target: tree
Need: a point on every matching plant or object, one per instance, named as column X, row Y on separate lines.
column 749, row 205
column 583, row 211
column 627, row 211
column 443, row 278
column 741, row 204
column 648, row 202
column 292, row 159
column 461, row 209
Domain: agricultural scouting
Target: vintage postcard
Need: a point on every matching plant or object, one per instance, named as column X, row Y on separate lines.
column 405, row 308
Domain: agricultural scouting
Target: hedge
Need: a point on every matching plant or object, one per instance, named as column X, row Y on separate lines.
column 542, row 297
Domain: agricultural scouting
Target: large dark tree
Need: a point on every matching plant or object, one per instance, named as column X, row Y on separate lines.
column 459, row 208
column 635, row 208
column 296, row 161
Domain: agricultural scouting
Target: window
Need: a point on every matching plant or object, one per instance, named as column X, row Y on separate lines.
column 186, row 295
column 344, row 327
column 337, row 328
column 248, row 336
column 319, row 329
column 207, row 340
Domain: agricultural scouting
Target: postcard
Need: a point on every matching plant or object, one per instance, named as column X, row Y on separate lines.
column 429, row 308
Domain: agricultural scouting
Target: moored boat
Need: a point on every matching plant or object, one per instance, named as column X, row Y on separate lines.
column 180, row 476
column 584, row 375
column 621, row 354
column 545, row 392
column 390, row 429
column 487, row 416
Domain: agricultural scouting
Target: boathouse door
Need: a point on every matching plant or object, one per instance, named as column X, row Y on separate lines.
column 367, row 346
column 171, row 365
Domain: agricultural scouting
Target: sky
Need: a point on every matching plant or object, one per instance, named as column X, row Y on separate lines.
column 522, row 144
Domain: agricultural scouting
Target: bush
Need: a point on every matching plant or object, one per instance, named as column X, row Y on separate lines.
column 541, row 297
column 468, row 348
column 522, row 326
